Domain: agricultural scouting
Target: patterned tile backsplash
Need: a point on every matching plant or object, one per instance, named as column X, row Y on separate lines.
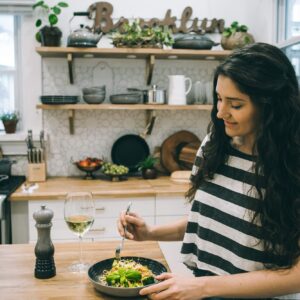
column 96, row 130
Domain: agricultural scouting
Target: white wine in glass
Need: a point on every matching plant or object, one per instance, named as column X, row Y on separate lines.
column 79, row 212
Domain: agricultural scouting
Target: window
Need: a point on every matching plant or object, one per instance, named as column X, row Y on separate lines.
column 292, row 18
column 9, row 63
column 289, row 31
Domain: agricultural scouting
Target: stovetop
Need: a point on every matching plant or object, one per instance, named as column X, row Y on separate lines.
column 8, row 186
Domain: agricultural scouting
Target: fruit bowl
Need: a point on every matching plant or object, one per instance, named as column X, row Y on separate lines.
column 114, row 172
column 89, row 165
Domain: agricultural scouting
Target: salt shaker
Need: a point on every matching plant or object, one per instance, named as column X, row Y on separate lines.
column 44, row 249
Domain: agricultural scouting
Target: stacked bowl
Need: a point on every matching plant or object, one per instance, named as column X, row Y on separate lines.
column 94, row 95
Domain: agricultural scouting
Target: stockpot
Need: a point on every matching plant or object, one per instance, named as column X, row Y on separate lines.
column 153, row 95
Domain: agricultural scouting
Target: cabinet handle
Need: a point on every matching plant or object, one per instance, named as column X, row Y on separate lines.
column 98, row 229
column 100, row 208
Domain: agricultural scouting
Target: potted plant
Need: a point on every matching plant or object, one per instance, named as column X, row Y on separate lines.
column 147, row 167
column 10, row 121
column 48, row 35
column 236, row 36
column 134, row 36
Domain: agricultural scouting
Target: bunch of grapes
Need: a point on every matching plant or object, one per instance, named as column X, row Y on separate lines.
column 113, row 169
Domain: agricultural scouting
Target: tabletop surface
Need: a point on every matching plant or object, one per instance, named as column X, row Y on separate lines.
column 17, row 263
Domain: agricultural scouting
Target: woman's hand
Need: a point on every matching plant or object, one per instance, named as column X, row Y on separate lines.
column 173, row 287
column 137, row 229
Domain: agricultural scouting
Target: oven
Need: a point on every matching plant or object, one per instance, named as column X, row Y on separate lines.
column 8, row 184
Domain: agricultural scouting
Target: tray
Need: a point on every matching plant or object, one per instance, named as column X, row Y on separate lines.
column 58, row 99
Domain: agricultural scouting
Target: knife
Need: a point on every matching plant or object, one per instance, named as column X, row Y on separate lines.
column 30, row 140
column 42, row 139
column 29, row 156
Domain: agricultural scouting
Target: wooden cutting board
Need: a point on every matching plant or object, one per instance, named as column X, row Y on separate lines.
column 181, row 176
column 171, row 149
column 188, row 154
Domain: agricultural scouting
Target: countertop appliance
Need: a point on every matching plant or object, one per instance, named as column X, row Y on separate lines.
column 7, row 187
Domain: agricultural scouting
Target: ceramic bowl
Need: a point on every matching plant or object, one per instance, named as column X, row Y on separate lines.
column 128, row 98
column 98, row 268
column 94, row 90
column 94, row 98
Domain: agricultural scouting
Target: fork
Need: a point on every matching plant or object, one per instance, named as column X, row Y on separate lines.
column 120, row 247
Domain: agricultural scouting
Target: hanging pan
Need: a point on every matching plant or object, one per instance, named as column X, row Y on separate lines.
column 129, row 150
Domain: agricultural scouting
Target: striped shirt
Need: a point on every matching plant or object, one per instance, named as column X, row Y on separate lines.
column 220, row 237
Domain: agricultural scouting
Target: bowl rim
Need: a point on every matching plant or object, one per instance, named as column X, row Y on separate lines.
column 121, row 289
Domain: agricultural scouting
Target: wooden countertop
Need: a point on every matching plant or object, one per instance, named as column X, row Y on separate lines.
column 57, row 188
column 17, row 263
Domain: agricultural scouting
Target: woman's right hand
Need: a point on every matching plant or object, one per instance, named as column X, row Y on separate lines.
column 136, row 230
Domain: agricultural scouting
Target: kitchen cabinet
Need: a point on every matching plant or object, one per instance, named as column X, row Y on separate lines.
column 104, row 227
column 158, row 201
column 155, row 210
column 170, row 208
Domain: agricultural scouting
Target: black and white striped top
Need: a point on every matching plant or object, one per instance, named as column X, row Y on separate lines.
column 220, row 237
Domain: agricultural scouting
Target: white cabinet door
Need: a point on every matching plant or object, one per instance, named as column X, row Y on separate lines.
column 170, row 208
column 105, row 224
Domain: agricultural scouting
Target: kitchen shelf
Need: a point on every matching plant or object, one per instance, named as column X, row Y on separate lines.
column 123, row 107
column 133, row 53
column 149, row 108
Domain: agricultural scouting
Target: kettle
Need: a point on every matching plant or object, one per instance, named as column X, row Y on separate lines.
column 84, row 36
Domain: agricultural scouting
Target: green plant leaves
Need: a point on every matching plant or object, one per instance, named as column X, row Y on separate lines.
column 53, row 19
column 62, row 4
column 133, row 35
column 243, row 28
column 38, row 23
column 56, row 10
column 40, row 3
column 234, row 24
column 234, row 27
column 38, row 37
column 46, row 12
column 247, row 40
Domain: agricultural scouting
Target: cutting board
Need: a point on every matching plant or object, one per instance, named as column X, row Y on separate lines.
column 188, row 154
column 181, row 176
column 171, row 149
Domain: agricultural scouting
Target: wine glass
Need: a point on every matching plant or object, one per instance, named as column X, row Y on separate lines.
column 79, row 213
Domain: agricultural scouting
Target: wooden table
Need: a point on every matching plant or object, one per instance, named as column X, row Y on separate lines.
column 17, row 264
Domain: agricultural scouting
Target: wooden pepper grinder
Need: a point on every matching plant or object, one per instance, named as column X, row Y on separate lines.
column 44, row 249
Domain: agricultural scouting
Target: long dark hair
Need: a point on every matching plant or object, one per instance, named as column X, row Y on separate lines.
column 265, row 74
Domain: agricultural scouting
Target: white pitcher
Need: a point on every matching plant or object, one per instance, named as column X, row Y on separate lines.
column 177, row 89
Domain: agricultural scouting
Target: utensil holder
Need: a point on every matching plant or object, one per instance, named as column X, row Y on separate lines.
column 36, row 172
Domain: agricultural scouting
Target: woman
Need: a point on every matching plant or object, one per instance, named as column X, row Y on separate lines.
column 244, row 224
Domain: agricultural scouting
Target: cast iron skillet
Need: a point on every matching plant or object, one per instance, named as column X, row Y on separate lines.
column 129, row 150
column 98, row 268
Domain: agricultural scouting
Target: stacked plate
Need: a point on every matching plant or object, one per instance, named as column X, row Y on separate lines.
column 59, row 99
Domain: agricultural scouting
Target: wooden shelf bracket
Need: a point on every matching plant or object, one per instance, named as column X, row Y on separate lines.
column 70, row 66
column 71, row 120
column 150, row 121
column 149, row 68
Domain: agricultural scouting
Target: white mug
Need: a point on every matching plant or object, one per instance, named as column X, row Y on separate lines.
column 177, row 90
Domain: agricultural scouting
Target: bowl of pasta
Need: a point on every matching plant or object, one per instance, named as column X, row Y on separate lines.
column 124, row 277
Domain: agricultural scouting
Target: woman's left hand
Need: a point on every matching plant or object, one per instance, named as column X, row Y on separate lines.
column 173, row 287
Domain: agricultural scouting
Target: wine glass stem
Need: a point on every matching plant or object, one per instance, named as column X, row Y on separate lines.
column 80, row 249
